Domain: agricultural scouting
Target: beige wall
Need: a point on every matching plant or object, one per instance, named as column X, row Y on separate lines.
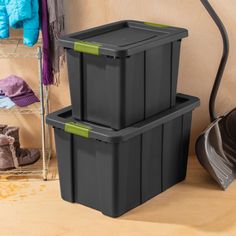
column 200, row 53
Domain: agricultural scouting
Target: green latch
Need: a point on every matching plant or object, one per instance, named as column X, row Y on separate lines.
column 87, row 47
column 156, row 25
column 77, row 129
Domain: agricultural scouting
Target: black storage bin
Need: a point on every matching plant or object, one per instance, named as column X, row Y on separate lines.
column 124, row 72
column 115, row 171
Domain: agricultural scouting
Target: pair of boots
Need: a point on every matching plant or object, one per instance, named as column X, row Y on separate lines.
column 11, row 154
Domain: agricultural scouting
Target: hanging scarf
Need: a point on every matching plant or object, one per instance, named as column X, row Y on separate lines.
column 56, row 28
column 47, row 65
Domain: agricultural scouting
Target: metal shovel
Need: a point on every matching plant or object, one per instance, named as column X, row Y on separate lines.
column 216, row 146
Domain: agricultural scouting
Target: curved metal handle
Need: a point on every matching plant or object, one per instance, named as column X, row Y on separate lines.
column 224, row 58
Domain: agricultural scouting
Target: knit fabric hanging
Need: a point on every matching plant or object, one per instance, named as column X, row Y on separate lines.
column 53, row 25
column 56, row 28
column 47, row 65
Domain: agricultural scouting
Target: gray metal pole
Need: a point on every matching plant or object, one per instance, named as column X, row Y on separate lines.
column 42, row 112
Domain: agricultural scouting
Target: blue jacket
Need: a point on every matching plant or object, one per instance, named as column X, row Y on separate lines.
column 20, row 14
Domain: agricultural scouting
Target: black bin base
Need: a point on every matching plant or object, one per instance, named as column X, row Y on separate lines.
column 115, row 171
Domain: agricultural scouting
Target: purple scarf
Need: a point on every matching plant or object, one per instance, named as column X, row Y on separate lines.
column 52, row 21
column 47, row 64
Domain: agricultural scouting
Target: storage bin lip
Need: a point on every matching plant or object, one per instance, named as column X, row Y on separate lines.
column 184, row 104
column 169, row 34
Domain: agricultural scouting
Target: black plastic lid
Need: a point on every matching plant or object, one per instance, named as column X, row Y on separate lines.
column 62, row 119
column 122, row 38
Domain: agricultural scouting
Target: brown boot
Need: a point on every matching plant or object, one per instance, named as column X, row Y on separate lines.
column 1, row 128
column 24, row 156
column 28, row 156
column 13, row 131
column 8, row 159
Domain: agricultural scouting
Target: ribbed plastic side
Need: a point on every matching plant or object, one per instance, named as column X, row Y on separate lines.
column 118, row 92
column 114, row 178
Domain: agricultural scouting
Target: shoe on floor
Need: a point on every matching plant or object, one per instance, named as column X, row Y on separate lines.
column 28, row 156
column 8, row 159
column 24, row 156
column 2, row 128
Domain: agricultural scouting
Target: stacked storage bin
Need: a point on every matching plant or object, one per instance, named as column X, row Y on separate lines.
column 125, row 137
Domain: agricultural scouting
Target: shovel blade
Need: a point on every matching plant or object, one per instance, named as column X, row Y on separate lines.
column 212, row 156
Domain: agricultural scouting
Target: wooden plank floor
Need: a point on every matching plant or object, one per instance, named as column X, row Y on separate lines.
column 193, row 207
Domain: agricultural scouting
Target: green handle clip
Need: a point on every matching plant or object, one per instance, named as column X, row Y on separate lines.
column 77, row 129
column 87, row 47
column 156, row 25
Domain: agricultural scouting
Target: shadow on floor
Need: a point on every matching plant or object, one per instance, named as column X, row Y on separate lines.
column 197, row 202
